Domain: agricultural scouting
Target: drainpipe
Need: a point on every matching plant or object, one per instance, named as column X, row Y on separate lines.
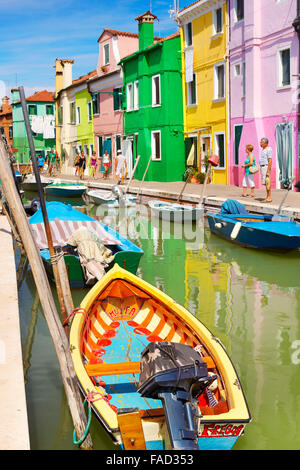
column 296, row 25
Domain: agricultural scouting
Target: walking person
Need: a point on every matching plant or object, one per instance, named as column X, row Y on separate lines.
column 82, row 165
column 106, row 163
column 93, row 163
column 76, row 164
column 265, row 163
column 51, row 162
column 57, row 163
column 248, row 180
column 121, row 166
column 41, row 161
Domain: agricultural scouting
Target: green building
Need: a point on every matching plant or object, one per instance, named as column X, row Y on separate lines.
column 41, row 112
column 82, row 114
column 153, row 104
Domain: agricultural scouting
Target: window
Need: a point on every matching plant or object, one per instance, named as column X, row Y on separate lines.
column 237, row 70
column 220, row 148
column 218, row 21
column 90, row 114
column 219, row 82
column 192, row 91
column 72, row 113
column 156, row 91
column 77, row 115
column 284, row 67
column 96, row 103
column 106, row 54
column 239, row 10
column 129, row 93
column 118, row 142
column 10, row 132
column 136, row 95
column 188, row 35
column 156, row 145
column 32, row 109
column 117, row 95
column 60, row 116
column 49, row 109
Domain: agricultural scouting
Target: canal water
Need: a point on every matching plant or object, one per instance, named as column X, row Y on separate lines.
column 250, row 300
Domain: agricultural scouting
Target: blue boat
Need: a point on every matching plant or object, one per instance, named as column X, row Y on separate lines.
column 267, row 232
column 125, row 253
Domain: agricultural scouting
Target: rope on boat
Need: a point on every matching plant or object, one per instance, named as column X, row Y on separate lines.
column 90, row 398
column 74, row 311
column 56, row 257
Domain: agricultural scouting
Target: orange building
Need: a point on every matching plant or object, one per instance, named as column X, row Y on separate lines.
column 6, row 120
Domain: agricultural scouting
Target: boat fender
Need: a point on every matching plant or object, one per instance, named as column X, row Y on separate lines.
column 218, row 225
column 236, row 230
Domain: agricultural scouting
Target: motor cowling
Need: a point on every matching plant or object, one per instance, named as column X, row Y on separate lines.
column 175, row 374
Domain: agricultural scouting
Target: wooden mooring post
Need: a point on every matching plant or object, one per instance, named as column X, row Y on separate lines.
column 51, row 315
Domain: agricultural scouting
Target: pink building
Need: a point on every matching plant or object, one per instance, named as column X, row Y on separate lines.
column 106, row 90
column 264, row 63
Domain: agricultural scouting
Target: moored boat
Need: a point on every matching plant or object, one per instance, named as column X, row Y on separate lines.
column 97, row 196
column 175, row 212
column 278, row 232
column 29, row 182
column 65, row 189
column 64, row 222
column 152, row 369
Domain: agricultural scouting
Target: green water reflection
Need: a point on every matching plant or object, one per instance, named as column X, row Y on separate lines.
column 250, row 300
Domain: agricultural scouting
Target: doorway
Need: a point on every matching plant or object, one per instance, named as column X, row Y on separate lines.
column 205, row 151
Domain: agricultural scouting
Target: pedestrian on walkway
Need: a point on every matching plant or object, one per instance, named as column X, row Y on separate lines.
column 51, row 162
column 121, row 166
column 93, row 163
column 82, row 165
column 248, row 180
column 106, row 163
column 57, row 162
column 41, row 161
column 76, row 164
column 98, row 167
column 265, row 163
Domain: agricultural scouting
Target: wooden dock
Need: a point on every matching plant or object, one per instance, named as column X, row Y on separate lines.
column 14, row 432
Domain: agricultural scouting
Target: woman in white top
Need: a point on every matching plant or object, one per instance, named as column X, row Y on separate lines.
column 106, row 162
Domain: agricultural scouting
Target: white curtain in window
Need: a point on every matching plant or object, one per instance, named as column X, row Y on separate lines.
column 189, row 58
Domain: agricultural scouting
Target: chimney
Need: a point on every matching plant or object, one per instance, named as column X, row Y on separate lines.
column 15, row 95
column 63, row 73
column 146, row 29
column 5, row 104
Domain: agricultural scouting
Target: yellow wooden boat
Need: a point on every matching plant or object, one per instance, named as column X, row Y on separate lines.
column 158, row 378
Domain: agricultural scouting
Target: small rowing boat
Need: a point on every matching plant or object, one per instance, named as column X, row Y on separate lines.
column 65, row 189
column 278, row 232
column 29, row 183
column 151, row 369
column 99, row 197
column 174, row 212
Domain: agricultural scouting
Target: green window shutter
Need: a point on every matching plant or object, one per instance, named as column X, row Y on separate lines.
column 89, row 111
column 60, row 115
column 117, row 95
column 72, row 113
column 32, row 109
column 124, row 98
column 237, row 138
column 49, row 109
column 96, row 104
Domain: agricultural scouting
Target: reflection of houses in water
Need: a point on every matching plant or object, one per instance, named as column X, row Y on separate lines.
column 207, row 293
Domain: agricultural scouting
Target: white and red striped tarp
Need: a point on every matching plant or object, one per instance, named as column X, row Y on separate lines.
column 62, row 230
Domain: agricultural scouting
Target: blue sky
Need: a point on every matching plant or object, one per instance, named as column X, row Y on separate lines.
column 36, row 32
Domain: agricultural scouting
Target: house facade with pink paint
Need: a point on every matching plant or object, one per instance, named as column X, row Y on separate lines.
column 264, row 64
column 106, row 90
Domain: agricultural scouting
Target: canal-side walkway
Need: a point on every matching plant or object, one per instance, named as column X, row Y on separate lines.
column 215, row 194
column 14, row 433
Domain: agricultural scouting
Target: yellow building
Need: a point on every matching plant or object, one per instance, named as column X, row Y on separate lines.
column 204, row 57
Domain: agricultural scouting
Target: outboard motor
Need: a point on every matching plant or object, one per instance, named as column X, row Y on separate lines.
column 35, row 205
column 118, row 192
column 175, row 374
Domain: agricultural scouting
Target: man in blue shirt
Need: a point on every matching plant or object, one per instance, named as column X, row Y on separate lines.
column 41, row 161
